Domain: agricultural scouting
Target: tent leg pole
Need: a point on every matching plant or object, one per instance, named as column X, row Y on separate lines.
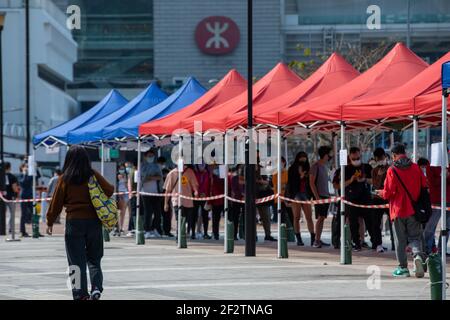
column 180, row 173
column 335, row 149
column 444, row 226
column 138, row 223
column 35, row 219
column 281, row 237
column 227, row 245
column 342, row 187
column 415, row 138
column 286, row 153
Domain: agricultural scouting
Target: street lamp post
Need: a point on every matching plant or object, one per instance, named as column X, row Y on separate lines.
column 250, row 208
column 2, row 167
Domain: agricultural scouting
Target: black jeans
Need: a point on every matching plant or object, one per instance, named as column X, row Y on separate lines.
column 167, row 219
column 132, row 207
column 199, row 205
column 26, row 214
column 237, row 209
column 152, row 211
column 84, row 245
column 216, row 213
column 354, row 213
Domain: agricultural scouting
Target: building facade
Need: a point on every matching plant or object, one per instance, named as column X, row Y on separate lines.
column 52, row 55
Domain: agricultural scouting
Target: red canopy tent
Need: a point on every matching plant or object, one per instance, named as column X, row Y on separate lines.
column 229, row 87
column 421, row 96
column 396, row 68
column 277, row 81
column 333, row 73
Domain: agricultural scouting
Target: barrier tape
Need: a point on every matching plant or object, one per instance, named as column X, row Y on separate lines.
column 257, row 201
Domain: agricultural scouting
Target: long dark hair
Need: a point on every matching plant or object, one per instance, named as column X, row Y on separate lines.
column 77, row 166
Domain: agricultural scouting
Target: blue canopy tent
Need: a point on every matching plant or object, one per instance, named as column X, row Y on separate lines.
column 187, row 94
column 93, row 132
column 58, row 135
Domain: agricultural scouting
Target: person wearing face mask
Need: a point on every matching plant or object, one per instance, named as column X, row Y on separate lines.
column 151, row 176
column 319, row 179
column 358, row 176
column 26, row 192
column 204, row 187
column 298, row 189
column 166, row 215
column 122, row 199
column 404, row 179
column 378, row 176
column 217, row 188
column 132, row 188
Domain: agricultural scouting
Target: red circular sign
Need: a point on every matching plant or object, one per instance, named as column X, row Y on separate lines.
column 217, row 35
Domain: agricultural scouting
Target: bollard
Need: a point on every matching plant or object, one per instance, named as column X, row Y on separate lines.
column 106, row 237
column 140, row 239
column 348, row 245
column 230, row 237
column 283, row 242
column 183, row 242
column 435, row 270
column 43, row 209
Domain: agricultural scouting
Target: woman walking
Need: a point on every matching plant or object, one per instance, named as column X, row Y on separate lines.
column 122, row 199
column 83, row 235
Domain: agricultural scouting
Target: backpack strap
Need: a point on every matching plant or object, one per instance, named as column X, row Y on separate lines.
column 403, row 185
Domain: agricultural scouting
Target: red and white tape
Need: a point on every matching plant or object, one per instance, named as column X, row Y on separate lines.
column 320, row 201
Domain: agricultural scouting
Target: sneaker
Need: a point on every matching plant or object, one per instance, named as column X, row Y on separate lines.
column 169, row 234
column 95, row 294
column 148, row 235
column 206, row 236
column 131, row 233
column 365, row 245
column 313, row 238
column 401, row 272
column 357, row 248
column 418, row 267
column 193, row 237
column 157, row 234
column 269, row 238
column 25, row 235
column 380, row 249
column 216, row 237
column 317, row 244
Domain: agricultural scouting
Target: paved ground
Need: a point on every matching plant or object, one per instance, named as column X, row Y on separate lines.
column 35, row 269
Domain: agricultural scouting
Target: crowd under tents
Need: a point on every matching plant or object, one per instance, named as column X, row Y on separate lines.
column 399, row 90
column 93, row 132
column 59, row 134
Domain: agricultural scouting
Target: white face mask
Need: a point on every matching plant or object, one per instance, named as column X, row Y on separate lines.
column 382, row 162
column 150, row 159
column 356, row 163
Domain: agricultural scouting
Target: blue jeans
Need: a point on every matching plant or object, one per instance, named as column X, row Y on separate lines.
column 430, row 229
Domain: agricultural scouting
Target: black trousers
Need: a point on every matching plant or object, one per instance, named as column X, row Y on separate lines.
column 216, row 213
column 84, row 246
column 237, row 209
column 354, row 213
column 199, row 206
column 132, row 219
column 166, row 219
column 152, row 213
column 26, row 209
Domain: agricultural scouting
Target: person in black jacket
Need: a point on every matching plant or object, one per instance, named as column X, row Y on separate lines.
column 298, row 189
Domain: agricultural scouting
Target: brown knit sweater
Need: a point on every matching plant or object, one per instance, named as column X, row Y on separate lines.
column 76, row 200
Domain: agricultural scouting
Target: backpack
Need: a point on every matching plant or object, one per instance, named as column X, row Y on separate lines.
column 422, row 207
column 105, row 207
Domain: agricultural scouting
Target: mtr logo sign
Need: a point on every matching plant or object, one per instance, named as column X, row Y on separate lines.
column 217, row 35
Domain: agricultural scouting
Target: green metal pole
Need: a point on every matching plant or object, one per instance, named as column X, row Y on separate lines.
column 229, row 236
column 106, row 237
column 346, row 254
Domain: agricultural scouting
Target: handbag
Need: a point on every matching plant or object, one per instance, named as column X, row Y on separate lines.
column 422, row 207
column 105, row 207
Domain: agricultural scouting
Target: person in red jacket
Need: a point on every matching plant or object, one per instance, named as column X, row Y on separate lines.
column 407, row 230
column 434, row 182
